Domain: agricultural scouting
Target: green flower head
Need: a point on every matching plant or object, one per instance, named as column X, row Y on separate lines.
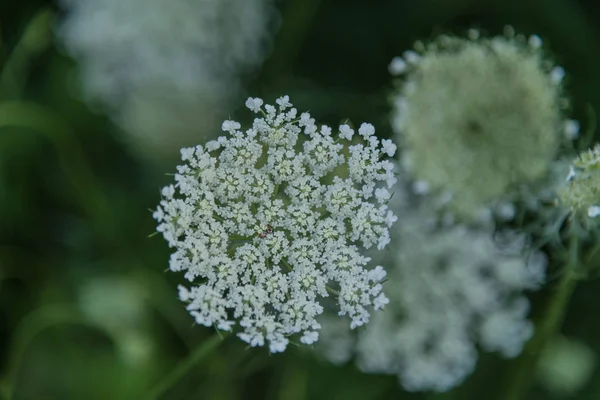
column 581, row 194
column 478, row 118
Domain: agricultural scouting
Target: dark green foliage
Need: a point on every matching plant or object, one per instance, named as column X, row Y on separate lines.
column 74, row 203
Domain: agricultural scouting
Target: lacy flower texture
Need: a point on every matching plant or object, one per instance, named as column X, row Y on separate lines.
column 268, row 222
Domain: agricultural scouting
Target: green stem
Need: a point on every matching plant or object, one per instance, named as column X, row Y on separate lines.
column 200, row 353
column 546, row 328
column 275, row 191
column 590, row 255
column 286, row 265
column 332, row 290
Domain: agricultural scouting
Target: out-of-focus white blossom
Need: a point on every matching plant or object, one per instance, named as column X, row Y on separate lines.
column 264, row 228
column 166, row 72
column 572, row 128
column 117, row 305
column 480, row 118
column 452, row 289
column 566, row 366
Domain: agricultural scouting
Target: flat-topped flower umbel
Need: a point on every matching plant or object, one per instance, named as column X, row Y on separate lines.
column 267, row 222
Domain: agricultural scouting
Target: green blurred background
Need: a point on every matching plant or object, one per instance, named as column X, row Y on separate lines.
column 87, row 310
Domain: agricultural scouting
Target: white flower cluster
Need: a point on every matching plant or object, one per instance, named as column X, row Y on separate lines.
column 480, row 151
column 267, row 227
column 155, row 65
column 453, row 288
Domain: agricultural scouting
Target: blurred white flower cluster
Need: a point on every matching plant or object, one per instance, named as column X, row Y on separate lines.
column 566, row 366
column 166, row 72
column 452, row 288
column 480, row 121
column 117, row 305
column 264, row 226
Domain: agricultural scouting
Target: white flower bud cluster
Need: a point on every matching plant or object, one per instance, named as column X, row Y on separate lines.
column 479, row 150
column 265, row 226
column 453, row 289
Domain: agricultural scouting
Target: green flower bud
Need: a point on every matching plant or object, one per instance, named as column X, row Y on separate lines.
column 581, row 194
